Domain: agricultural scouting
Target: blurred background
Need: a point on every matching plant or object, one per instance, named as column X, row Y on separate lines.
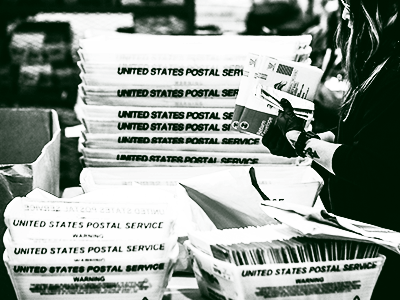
column 39, row 42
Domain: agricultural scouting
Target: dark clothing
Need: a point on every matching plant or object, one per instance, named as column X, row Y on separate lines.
column 366, row 184
column 366, row 166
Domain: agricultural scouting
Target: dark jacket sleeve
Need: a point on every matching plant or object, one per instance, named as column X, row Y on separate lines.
column 373, row 155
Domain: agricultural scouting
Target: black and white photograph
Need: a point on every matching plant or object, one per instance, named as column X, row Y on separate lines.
column 199, row 149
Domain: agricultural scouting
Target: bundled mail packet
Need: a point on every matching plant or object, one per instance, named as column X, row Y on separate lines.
column 93, row 216
column 345, row 279
column 156, row 113
column 187, row 49
column 262, row 109
column 157, row 101
column 218, row 142
column 301, row 252
column 83, row 279
column 205, row 80
column 160, row 91
column 114, row 241
column 252, row 62
column 123, row 125
column 297, row 79
column 158, row 158
column 164, row 69
column 159, row 96
column 95, row 249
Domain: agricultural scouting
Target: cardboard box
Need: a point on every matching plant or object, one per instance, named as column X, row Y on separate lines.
column 29, row 158
column 29, row 153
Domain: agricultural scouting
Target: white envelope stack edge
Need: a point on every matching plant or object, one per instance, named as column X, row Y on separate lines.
column 156, row 101
column 305, row 281
column 300, row 185
column 183, row 141
column 329, row 279
column 118, row 243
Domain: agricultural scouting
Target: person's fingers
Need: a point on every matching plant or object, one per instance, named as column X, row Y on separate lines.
column 271, row 137
column 277, row 143
column 281, row 115
column 287, row 119
column 285, row 149
column 281, row 142
column 286, row 105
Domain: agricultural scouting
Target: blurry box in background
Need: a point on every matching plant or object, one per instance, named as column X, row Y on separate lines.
column 43, row 70
column 29, row 153
column 25, row 48
column 161, row 24
column 40, row 42
column 228, row 16
column 176, row 19
column 32, row 76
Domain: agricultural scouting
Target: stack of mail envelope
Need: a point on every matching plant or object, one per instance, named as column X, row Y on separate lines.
column 247, row 248
column 117, row 243
column 154, row 101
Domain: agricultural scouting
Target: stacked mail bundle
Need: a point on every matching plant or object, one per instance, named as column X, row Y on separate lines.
column 245, row 247
column 169, row 100
column 117, row 241
column 275, row 261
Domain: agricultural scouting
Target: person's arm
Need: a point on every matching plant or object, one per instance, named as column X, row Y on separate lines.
column 327, row 136
column 320, row 148
column 370, row 158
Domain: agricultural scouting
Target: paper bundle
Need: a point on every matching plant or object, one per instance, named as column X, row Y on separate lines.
column 155, row 158
column 265, row 82
column 69, row 248
column 169, row 100
column 253, row 248
column 142, row 96
column 263, row 108
column 218, row 142
column 299, row 185
column 338, row 279
column 140, row 49
column 159, row 95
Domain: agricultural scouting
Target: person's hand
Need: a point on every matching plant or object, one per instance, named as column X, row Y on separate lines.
column 277, row 143
column 287, row 120
column 275, row 138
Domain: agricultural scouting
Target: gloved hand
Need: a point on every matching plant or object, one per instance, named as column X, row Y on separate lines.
column 275, row 138
column 287, row 120
column 277, row 143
